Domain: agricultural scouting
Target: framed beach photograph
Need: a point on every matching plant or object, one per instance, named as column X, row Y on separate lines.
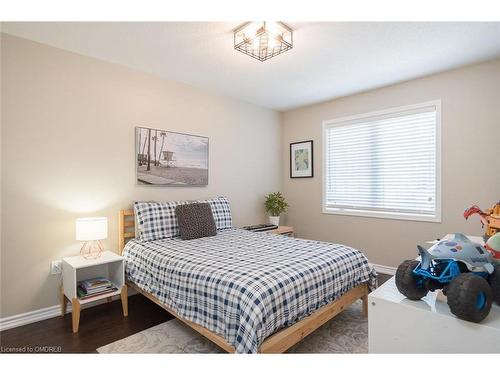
column 170, row 159
column 301, row 159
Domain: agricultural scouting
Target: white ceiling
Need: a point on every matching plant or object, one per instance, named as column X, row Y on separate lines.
column 328, row 59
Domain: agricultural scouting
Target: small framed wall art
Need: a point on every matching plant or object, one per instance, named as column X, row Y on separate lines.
column 301, row 159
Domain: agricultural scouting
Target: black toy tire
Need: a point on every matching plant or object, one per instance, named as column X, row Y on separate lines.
column 406, row 281
column 494, row 280
column 463, row 293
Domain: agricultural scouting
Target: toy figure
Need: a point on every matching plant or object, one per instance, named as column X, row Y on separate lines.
column 493, row 246
column 490, row 218
column 464, row 270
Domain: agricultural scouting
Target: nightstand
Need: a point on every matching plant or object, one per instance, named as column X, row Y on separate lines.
column 286, row 231
column 77, row 268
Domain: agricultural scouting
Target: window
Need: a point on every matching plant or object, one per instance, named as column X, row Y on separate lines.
column 384, row 164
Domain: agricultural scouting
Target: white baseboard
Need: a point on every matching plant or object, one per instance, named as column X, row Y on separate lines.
column 388, row 270
column 42, row 314
column 29, row 317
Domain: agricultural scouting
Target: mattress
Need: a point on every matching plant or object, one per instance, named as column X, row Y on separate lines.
column 245, row 286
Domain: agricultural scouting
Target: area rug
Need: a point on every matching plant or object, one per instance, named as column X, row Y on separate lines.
column 346, row 333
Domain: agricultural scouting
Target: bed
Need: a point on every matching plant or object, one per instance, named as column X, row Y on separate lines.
column 241, row 290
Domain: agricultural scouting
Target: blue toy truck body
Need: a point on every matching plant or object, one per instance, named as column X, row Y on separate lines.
column 448, row 270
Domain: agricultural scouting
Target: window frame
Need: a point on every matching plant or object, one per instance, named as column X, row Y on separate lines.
column 380, row 213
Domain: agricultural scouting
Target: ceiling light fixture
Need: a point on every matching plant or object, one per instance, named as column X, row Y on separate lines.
column 263, row 40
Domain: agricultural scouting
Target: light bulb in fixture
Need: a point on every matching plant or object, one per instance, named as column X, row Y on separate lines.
column 256, row 42
column 272, row 27
column 272, row 42
column 252, row 28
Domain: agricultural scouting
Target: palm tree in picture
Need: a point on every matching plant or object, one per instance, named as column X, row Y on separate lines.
column 155, row 139
column 139, row 158
column 149, row 150
column 162, row 135
column 144, row 145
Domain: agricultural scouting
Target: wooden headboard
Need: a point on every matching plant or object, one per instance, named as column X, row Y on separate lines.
column 126, row 228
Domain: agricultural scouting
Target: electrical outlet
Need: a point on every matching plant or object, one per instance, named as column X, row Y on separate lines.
column 56, row 267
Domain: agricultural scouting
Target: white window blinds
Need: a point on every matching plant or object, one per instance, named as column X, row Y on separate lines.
column 384, row 164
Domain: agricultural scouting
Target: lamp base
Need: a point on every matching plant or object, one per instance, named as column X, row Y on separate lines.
column 91, row 249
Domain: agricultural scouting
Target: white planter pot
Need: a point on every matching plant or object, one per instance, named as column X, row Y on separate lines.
column 274, row 220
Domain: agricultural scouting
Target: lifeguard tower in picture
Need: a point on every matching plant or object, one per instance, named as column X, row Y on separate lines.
column 168, row 159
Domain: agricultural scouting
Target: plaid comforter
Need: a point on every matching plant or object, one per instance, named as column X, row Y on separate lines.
column 245, row 286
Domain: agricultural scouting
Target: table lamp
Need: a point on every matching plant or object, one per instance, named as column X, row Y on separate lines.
column 91, row 230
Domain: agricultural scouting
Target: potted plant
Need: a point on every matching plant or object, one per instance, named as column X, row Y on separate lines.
column 275, row 206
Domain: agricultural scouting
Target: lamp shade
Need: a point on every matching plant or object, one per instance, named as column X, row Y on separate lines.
column 91, row 228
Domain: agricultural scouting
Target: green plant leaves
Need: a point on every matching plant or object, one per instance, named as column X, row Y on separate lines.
column 275, row 204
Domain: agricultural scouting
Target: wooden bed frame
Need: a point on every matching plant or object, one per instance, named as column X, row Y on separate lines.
column 278, row 342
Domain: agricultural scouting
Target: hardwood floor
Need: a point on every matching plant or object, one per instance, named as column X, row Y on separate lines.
column 382, row 278
column 99, row 325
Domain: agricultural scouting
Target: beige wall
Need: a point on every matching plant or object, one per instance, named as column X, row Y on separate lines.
column 68, row 152
column 470, row 161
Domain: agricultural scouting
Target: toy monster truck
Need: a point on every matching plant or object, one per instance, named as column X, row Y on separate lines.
column 462, row 269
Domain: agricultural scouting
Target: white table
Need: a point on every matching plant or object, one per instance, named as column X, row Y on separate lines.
column 77, row 268
column 399, row 325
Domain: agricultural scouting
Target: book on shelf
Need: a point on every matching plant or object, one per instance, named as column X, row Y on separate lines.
column 82, row 294
column 95, row 283
column 94, row 287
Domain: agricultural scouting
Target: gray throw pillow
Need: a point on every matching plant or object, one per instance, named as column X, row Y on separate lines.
column 195, row 220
